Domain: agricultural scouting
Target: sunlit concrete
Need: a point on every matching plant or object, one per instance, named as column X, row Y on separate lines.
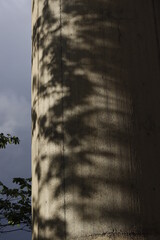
column 95, row 131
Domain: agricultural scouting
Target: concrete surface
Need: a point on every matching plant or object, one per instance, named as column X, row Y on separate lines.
column 96, row 120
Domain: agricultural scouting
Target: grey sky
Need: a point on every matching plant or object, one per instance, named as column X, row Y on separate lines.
column 15, row 75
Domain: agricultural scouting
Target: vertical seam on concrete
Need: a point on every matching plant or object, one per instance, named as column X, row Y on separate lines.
column 61, row 74
column 156, row 29
column 31, row 89
column 38, row 109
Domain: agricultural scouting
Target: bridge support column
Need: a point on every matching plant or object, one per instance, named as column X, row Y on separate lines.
column 95, row 119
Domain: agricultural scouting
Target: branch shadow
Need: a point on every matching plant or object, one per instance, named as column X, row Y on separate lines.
column 85, row 122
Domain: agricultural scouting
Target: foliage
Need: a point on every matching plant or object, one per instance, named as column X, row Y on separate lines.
column 15, row 205
column 4, row 140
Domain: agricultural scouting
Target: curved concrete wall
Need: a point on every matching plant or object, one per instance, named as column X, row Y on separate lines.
column 96, row 121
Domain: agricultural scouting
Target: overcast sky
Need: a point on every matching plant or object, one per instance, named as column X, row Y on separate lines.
column 15, row 92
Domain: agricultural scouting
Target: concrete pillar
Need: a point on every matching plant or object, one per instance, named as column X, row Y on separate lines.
column 96, row 121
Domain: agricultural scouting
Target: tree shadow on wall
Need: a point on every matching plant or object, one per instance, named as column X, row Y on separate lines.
column 87, row 184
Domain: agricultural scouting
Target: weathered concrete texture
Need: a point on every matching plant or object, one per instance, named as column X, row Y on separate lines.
column 96, row 120
column 120, row 237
